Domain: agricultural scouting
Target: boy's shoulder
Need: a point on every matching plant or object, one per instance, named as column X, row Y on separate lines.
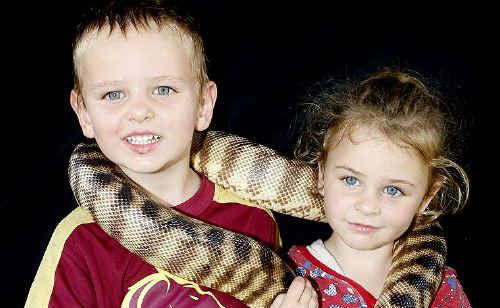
column 69, row 249
column 76, row 234
column 223, row 195
column 212, row 204
column 78, row 217
column 226, row 209
column 80, row 232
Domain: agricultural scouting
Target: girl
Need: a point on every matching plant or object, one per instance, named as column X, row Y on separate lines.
column 381, row 152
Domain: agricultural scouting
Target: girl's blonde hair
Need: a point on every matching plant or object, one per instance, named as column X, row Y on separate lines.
column 403, row 108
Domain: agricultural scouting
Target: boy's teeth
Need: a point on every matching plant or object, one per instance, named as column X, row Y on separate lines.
column 146, row 139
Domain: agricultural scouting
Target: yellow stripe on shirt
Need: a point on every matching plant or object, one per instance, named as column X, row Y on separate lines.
column 41, row 288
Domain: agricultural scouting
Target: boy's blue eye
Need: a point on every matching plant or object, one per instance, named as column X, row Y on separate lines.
column 163, row 90
column 350, row 180
column 392, row 191
column 113, row 95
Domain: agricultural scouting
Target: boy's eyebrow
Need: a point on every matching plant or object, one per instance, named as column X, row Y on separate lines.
column 356, row 172
column 168, row 77
column 103, row 84
column 112, row 83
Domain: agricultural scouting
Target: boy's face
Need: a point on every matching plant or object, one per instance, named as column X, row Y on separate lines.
column 141, row 100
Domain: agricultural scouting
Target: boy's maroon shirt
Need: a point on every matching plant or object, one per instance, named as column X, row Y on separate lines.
column 94, row 270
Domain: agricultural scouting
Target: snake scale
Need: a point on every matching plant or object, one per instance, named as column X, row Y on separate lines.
column 228, row 261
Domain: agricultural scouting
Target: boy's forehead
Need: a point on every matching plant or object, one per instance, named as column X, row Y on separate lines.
column 149, row 53
column 91, row 37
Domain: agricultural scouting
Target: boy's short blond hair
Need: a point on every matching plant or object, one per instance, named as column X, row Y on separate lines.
column 139, row 15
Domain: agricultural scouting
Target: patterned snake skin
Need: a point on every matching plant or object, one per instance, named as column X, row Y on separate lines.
column 228, row 261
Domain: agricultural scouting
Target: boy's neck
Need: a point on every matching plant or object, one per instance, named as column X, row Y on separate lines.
column 173, row 186
column 369, row 268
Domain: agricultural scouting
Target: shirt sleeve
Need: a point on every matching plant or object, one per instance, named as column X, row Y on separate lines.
column 72, row 283
column 265, row 228
column 54, row 284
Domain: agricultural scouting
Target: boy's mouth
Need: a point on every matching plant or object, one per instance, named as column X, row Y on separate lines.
column 142, row 139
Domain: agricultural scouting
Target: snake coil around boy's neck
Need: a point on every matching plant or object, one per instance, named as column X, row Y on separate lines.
column 225, row 260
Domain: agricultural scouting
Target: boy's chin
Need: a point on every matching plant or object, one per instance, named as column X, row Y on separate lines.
column 137, row 169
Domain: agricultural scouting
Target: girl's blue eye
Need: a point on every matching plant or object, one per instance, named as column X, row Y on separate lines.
column 113, row 95
column 392, row 191
column 350, row 180
column 163, row 90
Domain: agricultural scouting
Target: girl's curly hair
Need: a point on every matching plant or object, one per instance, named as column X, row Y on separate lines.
column 403, row 108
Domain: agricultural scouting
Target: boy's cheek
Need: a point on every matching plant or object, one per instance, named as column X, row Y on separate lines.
column 205, row 112
column 86, row 123
column 202, row 124
column 88, row 131
column 204, row 117
column 84, row 120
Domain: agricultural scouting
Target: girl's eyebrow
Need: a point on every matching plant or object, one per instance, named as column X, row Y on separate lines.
column 350, row 169
column 402, row 182
column 358, row 173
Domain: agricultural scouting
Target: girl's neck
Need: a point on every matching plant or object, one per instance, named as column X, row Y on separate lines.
column 369, row 268
column 172, row 186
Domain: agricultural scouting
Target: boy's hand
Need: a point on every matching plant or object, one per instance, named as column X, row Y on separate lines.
column 300, row 294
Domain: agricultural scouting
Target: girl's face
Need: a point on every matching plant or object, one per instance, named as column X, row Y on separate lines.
column 373, row 188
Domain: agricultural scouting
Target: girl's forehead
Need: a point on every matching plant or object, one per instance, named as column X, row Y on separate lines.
column 371, row 140
column 362, row 133
column 369, row 151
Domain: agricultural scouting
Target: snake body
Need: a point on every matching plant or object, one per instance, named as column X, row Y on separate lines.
column 228, row 261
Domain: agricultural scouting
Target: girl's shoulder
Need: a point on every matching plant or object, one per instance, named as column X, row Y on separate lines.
column 337, row 289
column 334, row 289
column 450, row 292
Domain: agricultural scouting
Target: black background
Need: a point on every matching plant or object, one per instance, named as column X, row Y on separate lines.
column 264, row 57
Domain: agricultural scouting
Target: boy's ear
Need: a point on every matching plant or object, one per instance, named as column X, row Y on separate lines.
column 429, row 196
column 79, row 108
column 205, row 111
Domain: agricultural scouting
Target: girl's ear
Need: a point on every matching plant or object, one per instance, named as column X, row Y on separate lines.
column 321, row 179
column 429, row 196
column 79, row 108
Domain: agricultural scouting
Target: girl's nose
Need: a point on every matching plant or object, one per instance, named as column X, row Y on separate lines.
column 368, row 204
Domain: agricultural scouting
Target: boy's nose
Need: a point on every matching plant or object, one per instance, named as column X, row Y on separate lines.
column 140, row 116
column 140, row 112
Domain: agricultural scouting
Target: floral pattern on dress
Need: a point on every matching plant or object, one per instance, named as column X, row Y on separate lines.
column 334, row 292
column 451, row 293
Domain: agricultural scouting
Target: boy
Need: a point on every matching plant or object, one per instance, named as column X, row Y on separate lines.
column 141, row 89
